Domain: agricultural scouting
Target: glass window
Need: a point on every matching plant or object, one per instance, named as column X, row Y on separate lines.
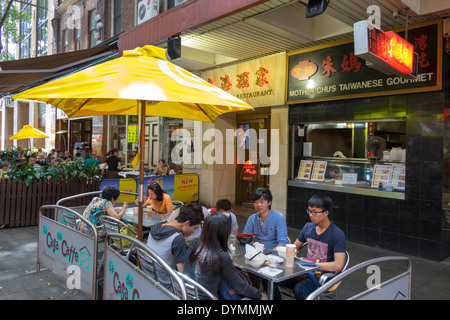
column 92, row 40
column 25, row 32
column 117, row 17
column 370, row 154
column 42, row 27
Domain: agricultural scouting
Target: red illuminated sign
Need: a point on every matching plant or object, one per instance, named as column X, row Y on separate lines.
column 385, row 51
column 393, row 49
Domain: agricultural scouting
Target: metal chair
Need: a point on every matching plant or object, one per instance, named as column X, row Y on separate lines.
column 150, row 266
column 70, row 220
column 325, row 277
column 177, row 204
column 332, row 292
column 193, row 289
column 113, row 226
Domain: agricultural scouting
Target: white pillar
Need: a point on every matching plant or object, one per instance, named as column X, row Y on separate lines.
column 31, row 119
column 15, row 120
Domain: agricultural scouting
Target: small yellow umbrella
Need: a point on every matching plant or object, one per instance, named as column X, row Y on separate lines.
column 141, row 82
column 28, row 132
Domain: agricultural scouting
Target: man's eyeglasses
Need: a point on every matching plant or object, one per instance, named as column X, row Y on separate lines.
column 313, row 213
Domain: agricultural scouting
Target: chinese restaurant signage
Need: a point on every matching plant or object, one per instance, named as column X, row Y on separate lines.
column 334, row 71
column 249, row 172
column 259, row 82
column 386, row 51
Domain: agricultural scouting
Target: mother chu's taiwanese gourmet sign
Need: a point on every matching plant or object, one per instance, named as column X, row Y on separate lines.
column 334, row 71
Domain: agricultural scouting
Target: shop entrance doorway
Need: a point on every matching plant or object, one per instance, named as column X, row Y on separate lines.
column 248, row 175
column 80, row 137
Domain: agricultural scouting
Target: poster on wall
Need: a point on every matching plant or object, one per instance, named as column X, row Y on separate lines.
column 304, row 172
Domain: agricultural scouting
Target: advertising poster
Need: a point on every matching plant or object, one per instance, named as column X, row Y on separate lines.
column 304, row 172
column 381, row 175
column 318, row 173
column 186, row 187
column 126, row 184
column 398, row 177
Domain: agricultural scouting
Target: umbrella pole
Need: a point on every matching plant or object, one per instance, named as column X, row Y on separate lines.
column 141, row 170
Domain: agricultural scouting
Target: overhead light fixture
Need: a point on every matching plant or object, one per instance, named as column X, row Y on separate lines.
column 316, row 7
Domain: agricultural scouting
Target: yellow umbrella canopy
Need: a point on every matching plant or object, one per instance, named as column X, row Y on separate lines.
column 141, row 82
column 141, row 75
column 28, row 132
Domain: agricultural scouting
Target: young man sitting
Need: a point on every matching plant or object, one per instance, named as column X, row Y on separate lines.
column 326, row 244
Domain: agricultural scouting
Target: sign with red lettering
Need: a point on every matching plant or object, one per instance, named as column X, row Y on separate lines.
column 335, row 71
column 249, row 172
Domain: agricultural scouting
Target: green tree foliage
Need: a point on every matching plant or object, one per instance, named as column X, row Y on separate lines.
column 10, row 18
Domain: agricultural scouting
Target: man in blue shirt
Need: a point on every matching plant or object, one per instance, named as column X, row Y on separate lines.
column 267, row 225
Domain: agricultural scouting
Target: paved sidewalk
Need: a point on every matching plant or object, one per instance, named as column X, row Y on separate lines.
column 20, row 281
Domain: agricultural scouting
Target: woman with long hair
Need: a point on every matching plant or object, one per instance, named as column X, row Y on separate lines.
column 208, row 261
column 158, row 199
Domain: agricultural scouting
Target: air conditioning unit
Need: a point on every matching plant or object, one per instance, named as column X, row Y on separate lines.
column 174, row 3
column 147, row 9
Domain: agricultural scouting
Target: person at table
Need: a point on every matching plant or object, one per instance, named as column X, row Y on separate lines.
column 32, row 161
column 161, row 169
column 92, row 161
column 103, row 205
column 167, row 239
column 326, row 244
column 67, row 156
column 224, row 206
column 208, row 261
column 267, row 225
column 198, row 231
column 158, row 199
column 114, row 164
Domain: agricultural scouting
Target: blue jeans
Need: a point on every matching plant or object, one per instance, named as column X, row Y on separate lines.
column 302, row 289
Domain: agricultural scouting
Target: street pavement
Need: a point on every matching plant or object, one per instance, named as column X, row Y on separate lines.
column 19, row 279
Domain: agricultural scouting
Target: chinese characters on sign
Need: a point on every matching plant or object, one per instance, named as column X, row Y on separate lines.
column 335, row 70
column 243, row 80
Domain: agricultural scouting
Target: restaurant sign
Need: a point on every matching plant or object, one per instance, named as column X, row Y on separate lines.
column 259, row 82
column 334, row 71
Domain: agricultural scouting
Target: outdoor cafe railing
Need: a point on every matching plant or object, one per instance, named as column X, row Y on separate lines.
column 125, row 281
column 67, row 252
column 396, row 288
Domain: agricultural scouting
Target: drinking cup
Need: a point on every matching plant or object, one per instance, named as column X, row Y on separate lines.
column 273, row 261
column 290, row 254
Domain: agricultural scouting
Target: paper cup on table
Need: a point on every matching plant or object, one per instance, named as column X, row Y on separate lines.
column 290, row 254
column 150, row 211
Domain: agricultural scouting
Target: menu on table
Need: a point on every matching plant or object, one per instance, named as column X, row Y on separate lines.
column 304, row 172
column 398, row 177
column 318, row 172
column 381, row 174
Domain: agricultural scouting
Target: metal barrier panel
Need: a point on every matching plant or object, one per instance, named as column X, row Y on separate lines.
column 60, row 247
column 123, row 281
column 396, row 288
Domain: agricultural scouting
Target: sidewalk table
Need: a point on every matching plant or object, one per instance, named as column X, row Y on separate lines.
column 147, row 221
column 239, row 261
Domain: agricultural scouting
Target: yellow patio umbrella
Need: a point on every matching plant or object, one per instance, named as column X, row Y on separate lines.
column 28, row 132
column 141, row 82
